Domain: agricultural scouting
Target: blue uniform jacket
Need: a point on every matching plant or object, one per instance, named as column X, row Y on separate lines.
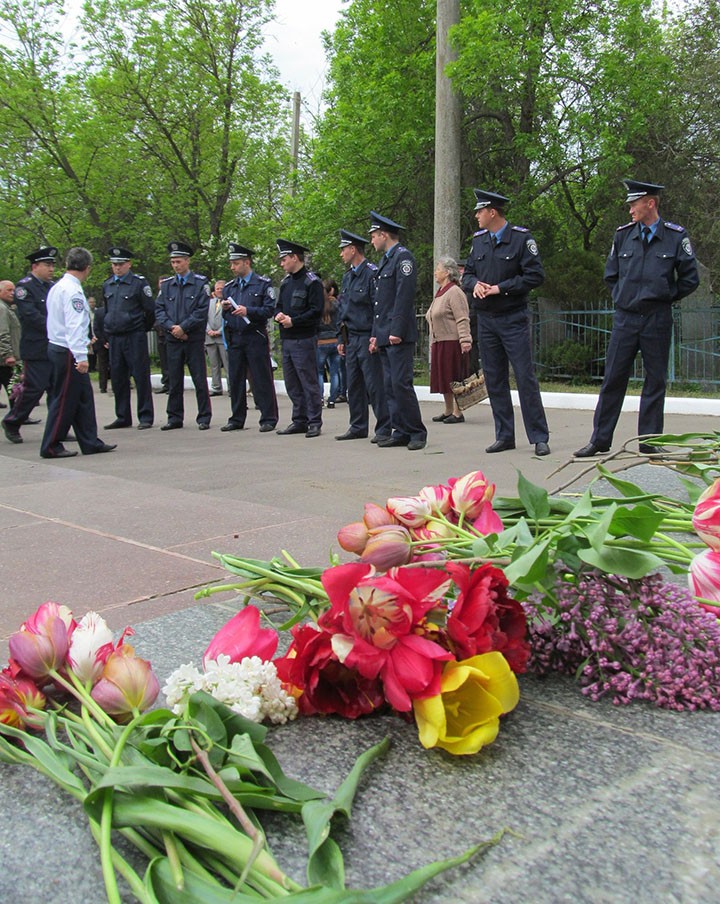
column 129, row 304
column 301, row 297
column 185, row 306
column 640, row 277
column 355, row 305
column 31, row 304
column 258, row 297
column 394, row 298
column 513, row 265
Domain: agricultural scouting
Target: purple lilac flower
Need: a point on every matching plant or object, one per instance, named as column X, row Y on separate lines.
column 629, row 639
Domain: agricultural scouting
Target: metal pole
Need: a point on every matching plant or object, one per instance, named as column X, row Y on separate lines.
column 295, row 140
column 447, row 139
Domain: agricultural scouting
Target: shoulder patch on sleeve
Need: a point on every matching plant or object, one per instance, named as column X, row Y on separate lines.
column 531, row 246
column 520, row 229
column 147, row 290
column 675, row 227
column 687, row 247
column 406, row 267
column 624, row 226
column 271, row 293
column 78, row 304
column 20, row 292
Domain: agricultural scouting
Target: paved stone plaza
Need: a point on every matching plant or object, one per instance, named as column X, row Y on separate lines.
column 605, row 804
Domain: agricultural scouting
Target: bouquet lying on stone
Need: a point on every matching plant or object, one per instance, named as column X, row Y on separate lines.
column 186, row 788
column 586, row 569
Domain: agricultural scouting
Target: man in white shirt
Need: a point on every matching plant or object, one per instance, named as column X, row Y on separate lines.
column 71, row 396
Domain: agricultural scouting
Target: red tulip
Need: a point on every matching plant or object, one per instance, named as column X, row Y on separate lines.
column 242, row 636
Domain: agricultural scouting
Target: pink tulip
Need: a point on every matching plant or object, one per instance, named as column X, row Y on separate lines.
column 35, row 624
column 704, row 575
column 388, row 547
column 470, row 493
column 127, row 684
column 90, row 646
column 412, row 511
column 706, row 517
column 433, row 530
column 353, row 537
column 39, row 654
column 488, row 521
column 377, row 516
column 438, row 498
column 241, row 637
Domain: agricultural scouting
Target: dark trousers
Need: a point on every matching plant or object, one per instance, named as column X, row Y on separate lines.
column 650, row 334
column 6, row 372
column 162, row 355
column 37, row 379
column 250, row 352
column 190, row 354
column 405, row 418
column 505, row 340
column 129, row 357
column 72, row 404
column 365, row 383
column 103, row 366
column 301, row 381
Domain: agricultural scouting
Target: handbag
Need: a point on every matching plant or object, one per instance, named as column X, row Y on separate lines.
column 471, row 390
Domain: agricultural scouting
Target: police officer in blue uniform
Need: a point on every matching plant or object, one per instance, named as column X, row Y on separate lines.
column 503, row 266
column 129, row 313
column 394, row 333
column 248, row 302
column 31, row 305
column 355, row 315
column 651, row 265
column 181, row 309
column 298, row 311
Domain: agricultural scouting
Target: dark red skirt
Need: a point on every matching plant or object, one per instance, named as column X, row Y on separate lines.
column 446, row 365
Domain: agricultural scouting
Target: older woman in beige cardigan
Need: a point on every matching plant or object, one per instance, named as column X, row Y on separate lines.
column 449, row 320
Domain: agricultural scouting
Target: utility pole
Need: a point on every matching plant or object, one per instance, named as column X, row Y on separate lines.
column 447, row 139
column 295, row 140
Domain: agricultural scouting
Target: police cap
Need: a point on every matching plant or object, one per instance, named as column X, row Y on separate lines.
column 637, row 189
column 349, row 238
column 238, row 252
column 119, row 255
column 285, row 247
column 42, row 254
column 489, row 199
column 385, row 224
column 179, row 249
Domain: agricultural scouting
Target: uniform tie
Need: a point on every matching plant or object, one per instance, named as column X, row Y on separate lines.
column 243, row 283
column 645, row 230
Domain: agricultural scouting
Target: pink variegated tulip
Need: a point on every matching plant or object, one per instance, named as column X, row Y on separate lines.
column 388, row 547
column 127, row 685
column 412, row 511
column 353, row 537
column 438, row 498
column 706, row 517
column 90, row 646
column 41, row 645
column 488, row 521
column 470, row 493
column 704, row 575
column 241, row 637
column 376, row 516
column 433, row 530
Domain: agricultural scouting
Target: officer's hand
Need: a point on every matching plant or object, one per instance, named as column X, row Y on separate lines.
column 177, row 331
column 10, row 361
column 240, row 311
column 341, row 350
column 372, row 345
column 395, row 340
column 81, row 367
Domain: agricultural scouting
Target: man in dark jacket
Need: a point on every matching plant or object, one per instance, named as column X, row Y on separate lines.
column 181, row 309
column 651, row 265
column 129, row 313
column 503, row 266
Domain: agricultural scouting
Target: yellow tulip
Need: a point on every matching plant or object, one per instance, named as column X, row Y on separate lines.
column 465, row 715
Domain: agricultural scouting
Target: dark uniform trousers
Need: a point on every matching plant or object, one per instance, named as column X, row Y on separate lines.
column 301, row 380
column 651, row 334
column 403, row 406
column 71, row 405
column 37, row 379
column 505, row 338
column 190, row 354
column 365, row 382
column 129, row 357
column 249, row 352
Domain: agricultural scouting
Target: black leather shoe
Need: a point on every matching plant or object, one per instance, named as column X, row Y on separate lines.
column 116, row 425
column 106, row 447
column 226, row 428
column 416, row 444
column 12, row 436
column 379, row 438
column 162, row 390
column 203, row 426
column 267, row 428
column 501, row 445
column 649, row 449
column 542, row 449
column 441, row 417
column 292, row 428
column 351, row 435
column 393, row 441
column 312, row 430
column 589, row 450
column 214, row 393
column 61, row 453
column 144, row 426
column 172, row 425
column 30, row 421
column 455, row 419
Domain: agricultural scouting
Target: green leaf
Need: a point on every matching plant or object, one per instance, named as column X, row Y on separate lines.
column 159, row 881
column 151, row 776
column 640, row 522
column 529, row 566
column 597, row 532
column 233, row 722
column 629, row 563
column 534, row 498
